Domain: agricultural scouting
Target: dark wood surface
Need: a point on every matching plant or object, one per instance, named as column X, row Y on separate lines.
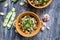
column 53, row 10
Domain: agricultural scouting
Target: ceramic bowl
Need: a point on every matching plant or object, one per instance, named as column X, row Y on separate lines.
column 49, row 2
column 39, row 24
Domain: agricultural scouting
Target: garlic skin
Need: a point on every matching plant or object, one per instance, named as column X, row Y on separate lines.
column 46, row 18
column 25, row 1
column 43, row 28
column 44, row 23
column 14, row 23
column 48, row 28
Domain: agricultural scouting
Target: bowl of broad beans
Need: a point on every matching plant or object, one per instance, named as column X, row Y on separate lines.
column 39, row 3
column 28, row 24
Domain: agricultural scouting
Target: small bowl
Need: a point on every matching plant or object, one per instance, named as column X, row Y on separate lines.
column 39, row 24
column 40, row 6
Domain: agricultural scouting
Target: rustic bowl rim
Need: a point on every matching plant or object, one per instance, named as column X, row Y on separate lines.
column 33, row 33
column 40, row 6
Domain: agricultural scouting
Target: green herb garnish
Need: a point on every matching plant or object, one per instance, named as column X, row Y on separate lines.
column 27, row 23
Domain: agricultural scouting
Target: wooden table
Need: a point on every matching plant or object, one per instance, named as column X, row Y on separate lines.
column 53, row 10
